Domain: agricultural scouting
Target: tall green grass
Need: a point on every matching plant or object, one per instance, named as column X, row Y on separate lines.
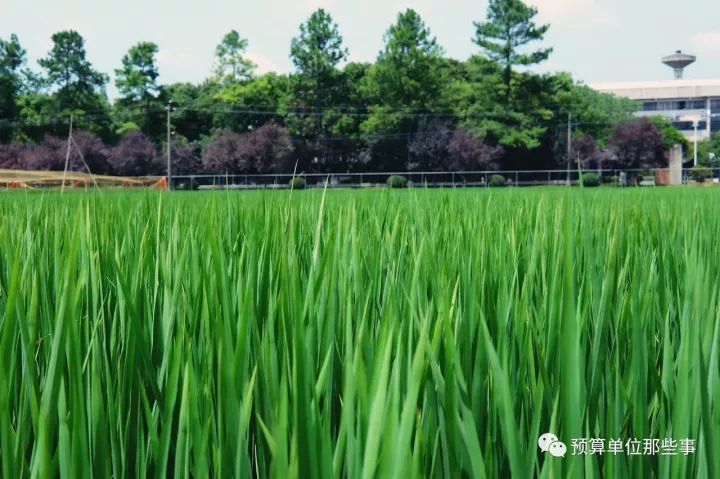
column 357, row 334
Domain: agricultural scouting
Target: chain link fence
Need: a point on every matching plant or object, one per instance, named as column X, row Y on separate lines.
column 459, row 179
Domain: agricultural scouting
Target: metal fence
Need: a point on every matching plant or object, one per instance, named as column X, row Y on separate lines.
column 428, row 179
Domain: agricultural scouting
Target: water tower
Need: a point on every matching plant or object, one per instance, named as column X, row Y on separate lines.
column 678, row 61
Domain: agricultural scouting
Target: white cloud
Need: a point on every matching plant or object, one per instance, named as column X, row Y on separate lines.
column 264, row 64
column 706, row 44
column 575, row 14
column 184, row 65
column 167, row 58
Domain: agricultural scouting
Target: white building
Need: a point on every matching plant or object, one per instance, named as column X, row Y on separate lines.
column 687, row 103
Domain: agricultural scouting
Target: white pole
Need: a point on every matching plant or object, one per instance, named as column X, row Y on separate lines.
column 695, row 126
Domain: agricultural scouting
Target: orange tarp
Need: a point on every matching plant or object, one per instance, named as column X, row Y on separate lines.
column 71, row 179
column 161, row 184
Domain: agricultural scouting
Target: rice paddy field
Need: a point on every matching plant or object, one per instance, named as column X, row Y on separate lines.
column 362, row 334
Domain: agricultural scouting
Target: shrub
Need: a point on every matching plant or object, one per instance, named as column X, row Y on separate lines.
column 700, row 173
column 397, row 181
column 297, row 183
column 591, row 179
column 497, row 181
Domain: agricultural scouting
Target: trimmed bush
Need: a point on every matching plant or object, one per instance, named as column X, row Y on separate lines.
column 297, row 183
column 397, row 181
column 591, row 180
column 497, row 181
column 700, row 173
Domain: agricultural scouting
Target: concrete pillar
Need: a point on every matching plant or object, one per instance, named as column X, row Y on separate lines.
column 675, row 165
column 709, row 118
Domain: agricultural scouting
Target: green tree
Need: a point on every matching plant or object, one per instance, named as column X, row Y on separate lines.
column 345, row 121
column 136, row 80
column 316, row 54
column 406, row 73
column 231, row 66
column 592, row 112
column 671, row 135
column 709, row 151
column 318, row 50
column 193, row 120
column 263, row 96
column 516, row 107
column 509, row 27
column 404, row 84
column 141, row 103
column 76, row 86
column 68, row 69
column 12, row 59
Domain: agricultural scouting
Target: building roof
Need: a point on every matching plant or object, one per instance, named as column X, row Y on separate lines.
column 661, row 90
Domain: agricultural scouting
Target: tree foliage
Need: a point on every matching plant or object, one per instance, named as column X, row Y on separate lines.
column 413, row 108
column 265, row 150
column 670, row 135
column 135, row 155
column 469, row 153
column 709, row 151
column 428, row 148
column 140, row 105
column 68, row 70
column 136, row 80
column 12, row 59
column 402, row 85
column 231, row 65
column 510, row 26
column 637, row 144
column 318, row 50
column 76, row 87
column 225, row 153
column 11, row 156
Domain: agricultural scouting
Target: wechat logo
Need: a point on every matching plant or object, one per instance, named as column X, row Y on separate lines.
column 549, row 442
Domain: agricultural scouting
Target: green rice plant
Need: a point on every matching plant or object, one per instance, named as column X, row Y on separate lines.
column 426, row 333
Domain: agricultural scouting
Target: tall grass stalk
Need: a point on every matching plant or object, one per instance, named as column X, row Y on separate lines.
column 357, row 334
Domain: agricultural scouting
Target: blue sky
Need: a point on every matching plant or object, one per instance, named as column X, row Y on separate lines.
column 595, row 40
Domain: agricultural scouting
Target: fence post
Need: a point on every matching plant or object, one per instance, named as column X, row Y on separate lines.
column 516, row 179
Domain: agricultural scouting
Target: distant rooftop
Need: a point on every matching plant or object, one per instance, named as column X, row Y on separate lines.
column 666, row 89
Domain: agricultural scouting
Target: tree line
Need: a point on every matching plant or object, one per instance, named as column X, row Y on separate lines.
column 412, row 109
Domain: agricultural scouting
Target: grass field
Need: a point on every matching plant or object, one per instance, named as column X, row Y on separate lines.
column 357, row 334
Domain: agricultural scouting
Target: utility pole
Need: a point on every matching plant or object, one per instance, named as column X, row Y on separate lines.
column 168, row 109
column 569, row 146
